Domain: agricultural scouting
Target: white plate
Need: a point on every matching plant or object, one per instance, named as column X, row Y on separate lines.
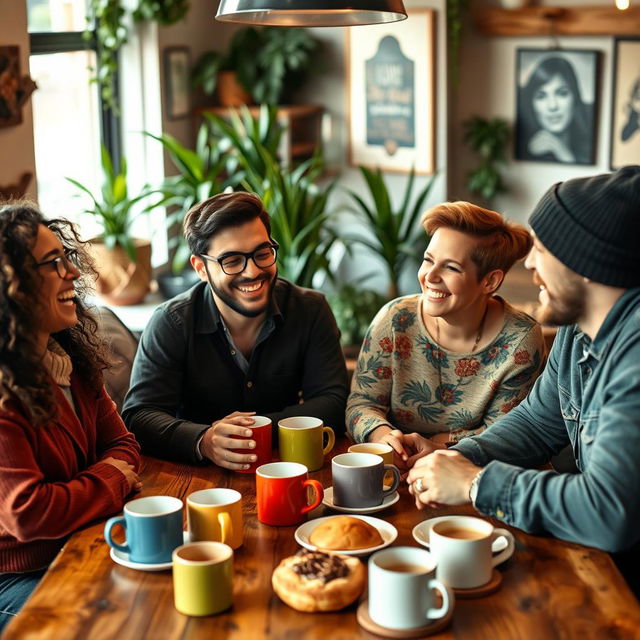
column 123, row 558
column 388, row 532
column 390, row 499
column 421, row 534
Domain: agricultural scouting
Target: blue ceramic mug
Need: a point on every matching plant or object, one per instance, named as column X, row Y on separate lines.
column 153, row 529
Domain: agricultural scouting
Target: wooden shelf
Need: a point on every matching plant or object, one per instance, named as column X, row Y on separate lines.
column 560, row 21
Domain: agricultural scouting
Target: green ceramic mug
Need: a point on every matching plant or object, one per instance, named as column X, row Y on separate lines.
column 301, row 440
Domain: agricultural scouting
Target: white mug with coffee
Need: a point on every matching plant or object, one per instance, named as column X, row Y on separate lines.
column 462, row 548
column 402, row 589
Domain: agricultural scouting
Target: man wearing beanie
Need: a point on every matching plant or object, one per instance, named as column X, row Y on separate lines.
column 586, row 260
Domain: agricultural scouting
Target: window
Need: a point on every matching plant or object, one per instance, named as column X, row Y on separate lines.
column 69, row 120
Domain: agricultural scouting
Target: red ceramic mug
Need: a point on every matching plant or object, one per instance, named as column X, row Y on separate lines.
column 261, row 435
column 281, row 493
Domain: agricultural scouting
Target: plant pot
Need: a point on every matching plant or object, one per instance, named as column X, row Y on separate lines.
column 121, row 281
column 171, row 285
column 230, row 92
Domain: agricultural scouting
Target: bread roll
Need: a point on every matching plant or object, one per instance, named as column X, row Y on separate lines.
column 345, row 533
column 316, row 581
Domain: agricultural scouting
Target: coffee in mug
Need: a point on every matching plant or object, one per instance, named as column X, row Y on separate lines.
column 203, row 578
column 301, row 440
column 462, row 548
column 358, row 480
column 153, row 529
column 403, row 587
column 216, row 515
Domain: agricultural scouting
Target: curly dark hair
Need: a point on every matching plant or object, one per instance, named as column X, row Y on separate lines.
column 23, row 377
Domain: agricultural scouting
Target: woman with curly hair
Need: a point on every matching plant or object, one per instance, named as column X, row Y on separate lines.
column 444, row 364
column 66, row 457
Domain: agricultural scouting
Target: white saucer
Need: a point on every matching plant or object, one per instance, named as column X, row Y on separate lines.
column 123, row 558
column 388, row 532
column 388, row 500
column 421, row 534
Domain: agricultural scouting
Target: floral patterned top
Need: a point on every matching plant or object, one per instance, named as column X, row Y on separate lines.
column 404, row 379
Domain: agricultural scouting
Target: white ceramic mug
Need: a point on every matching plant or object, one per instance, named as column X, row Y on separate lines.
column 402, row 589
column 462, row 548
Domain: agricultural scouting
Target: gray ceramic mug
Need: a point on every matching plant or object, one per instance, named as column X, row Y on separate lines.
column 358, row 480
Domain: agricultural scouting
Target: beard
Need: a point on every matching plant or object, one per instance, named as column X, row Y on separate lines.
column 566, row 306
column 235, row 304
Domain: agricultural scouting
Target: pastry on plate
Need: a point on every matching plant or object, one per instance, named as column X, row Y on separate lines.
column 345, row 533
column 316, row 581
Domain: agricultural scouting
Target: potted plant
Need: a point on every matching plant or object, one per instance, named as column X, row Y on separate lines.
column 261, row 65
column 202, row 173
column 354, row 308
column 295, row 201
column 395, row 232
column 123, row 262
column 489, row 139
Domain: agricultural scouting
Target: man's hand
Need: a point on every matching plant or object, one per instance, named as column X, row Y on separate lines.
column 445, row 478
column 127, row 470
column 216, row 443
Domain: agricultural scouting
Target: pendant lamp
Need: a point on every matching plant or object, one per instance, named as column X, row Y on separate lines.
column 311, row 13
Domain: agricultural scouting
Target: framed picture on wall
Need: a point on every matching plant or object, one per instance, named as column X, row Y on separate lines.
column 177, row 67
column 625, row 110
column 390, row 89
column 556, row 105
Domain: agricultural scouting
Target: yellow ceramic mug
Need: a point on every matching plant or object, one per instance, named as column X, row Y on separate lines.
column 202, row 578
column 300, row 440
column 381, row 449
column 216, row 515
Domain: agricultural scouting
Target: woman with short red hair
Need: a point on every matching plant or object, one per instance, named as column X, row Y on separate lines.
column 444, row 364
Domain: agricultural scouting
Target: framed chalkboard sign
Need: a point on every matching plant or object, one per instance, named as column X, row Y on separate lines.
column 390, row 85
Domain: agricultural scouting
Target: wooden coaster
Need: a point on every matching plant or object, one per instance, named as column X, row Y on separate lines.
column 365, row 621
column 484, row 590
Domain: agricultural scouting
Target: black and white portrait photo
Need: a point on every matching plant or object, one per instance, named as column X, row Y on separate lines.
column 625, row 110
column 555, row 118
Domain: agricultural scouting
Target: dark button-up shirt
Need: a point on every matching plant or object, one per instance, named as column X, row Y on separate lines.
column 589, row 397
column 185, row 377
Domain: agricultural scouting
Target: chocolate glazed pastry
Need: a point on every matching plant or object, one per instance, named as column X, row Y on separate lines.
column 316, row 581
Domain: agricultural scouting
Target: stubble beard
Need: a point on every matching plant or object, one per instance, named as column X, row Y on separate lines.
column 566, row 307
column 237, row 306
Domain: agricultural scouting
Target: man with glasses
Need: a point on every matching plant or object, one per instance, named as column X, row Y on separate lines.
column 242, row 341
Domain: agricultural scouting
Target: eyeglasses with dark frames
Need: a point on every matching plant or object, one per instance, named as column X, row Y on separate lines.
column 235, row 262
column 63, row 264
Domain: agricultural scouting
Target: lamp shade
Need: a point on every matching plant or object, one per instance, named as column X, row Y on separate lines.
column 311, row 13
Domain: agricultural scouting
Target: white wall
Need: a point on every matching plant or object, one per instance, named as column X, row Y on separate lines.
column 16, row 143
column 487, row 89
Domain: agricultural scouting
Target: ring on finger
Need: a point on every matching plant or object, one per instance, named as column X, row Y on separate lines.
column 417, row 485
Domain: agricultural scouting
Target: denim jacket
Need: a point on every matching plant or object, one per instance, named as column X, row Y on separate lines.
column 589, row 397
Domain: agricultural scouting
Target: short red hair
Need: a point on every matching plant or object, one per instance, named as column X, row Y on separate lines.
column 501, row 244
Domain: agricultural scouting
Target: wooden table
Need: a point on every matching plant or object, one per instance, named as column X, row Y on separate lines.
column 550, row 589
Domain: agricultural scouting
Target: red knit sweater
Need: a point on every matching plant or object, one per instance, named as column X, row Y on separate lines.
column 51, row 479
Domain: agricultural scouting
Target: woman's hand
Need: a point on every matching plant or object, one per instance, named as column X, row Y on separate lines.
column 544, row 141
column 419, row 447
column 395, row 439
column 216, row 443
column 127, row 470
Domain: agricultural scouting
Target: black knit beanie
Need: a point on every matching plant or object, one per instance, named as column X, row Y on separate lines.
column 592, row 225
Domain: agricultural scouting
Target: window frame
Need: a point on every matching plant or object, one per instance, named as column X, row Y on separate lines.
column 46, row 42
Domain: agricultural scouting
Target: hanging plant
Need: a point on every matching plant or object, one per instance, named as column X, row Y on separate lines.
column 488, row 138
column 110, row 20
column 455, row 11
